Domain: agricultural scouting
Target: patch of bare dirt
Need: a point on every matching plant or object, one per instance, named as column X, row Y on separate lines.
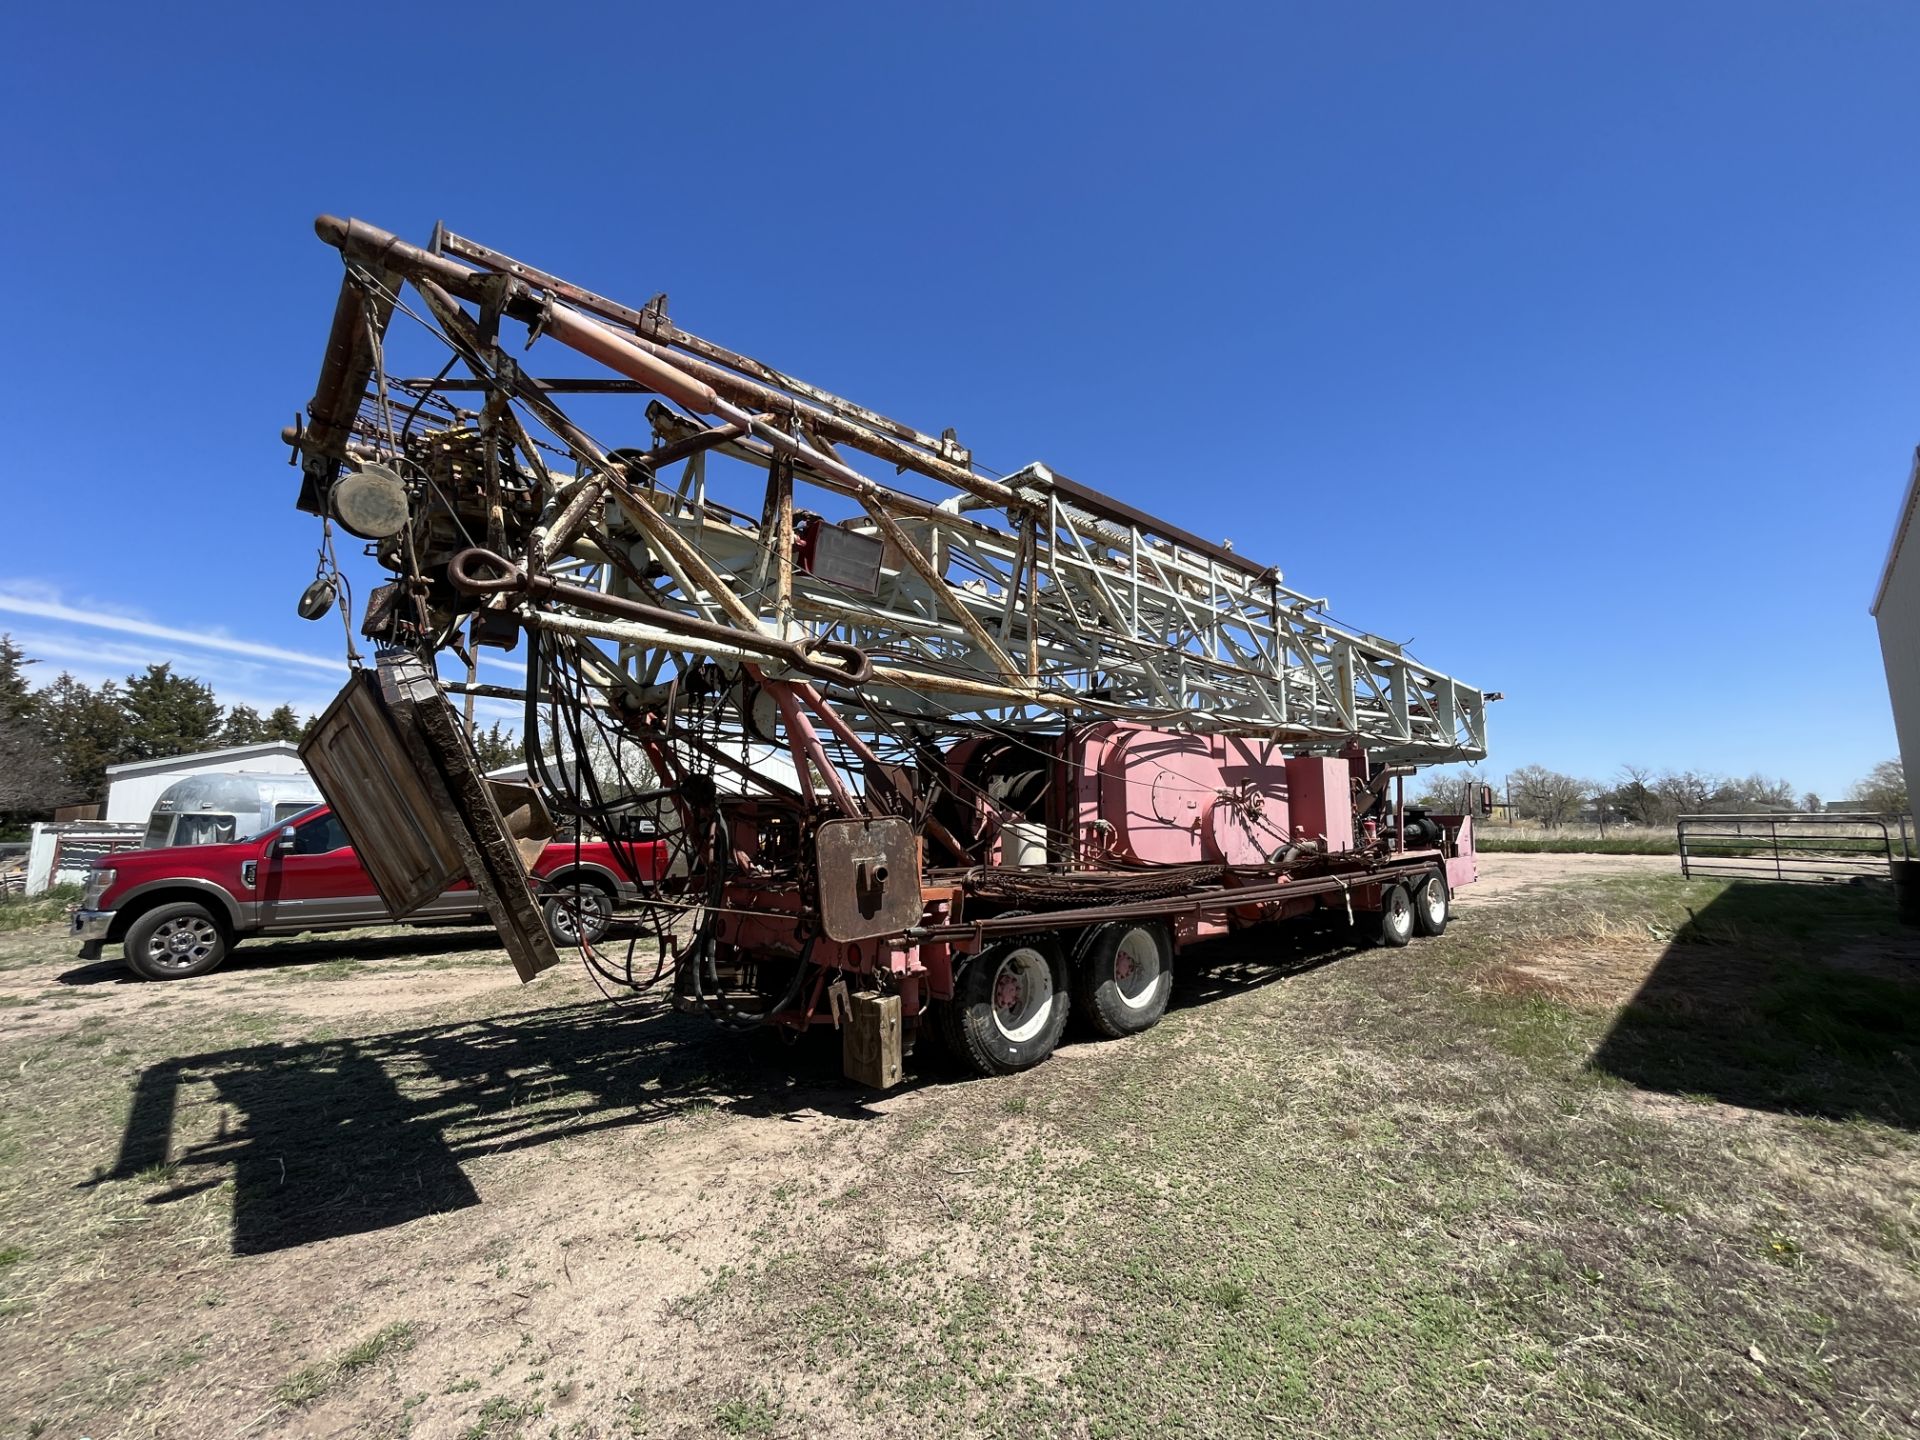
column 394, row 970
column 1504, row 875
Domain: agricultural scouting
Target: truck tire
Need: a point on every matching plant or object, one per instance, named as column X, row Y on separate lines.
column 1009, row 1007
column 1430, row 904
column 1396, row 916
column 174, row 942
column 1124, row 977
column 577, row 912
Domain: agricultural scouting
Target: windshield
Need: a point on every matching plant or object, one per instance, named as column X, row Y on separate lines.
column 285, row 821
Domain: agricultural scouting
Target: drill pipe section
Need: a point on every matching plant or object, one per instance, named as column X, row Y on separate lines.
column 855, row 667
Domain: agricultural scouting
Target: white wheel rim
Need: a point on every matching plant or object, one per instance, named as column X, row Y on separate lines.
column 1136, row 968
column 1434, row 900
column 1022, row 994
column 182, row 942
column 1400, row 910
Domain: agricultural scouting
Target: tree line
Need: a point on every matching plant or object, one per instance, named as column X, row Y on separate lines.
column 57, row 741
column 1640, row 795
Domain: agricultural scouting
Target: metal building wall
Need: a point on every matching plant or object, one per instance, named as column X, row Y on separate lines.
column 1896, row 610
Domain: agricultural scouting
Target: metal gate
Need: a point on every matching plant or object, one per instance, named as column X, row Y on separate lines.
column 1799, row 845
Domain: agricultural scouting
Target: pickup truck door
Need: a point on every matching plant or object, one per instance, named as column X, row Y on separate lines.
column 318, row 883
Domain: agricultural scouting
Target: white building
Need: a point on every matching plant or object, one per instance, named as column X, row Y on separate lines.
column 1896, row 609
column 132, row 788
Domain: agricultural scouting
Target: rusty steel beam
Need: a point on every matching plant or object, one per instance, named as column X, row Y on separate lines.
column 575, row 386
column 359, row 319
column 853, row 667
column 653, row 323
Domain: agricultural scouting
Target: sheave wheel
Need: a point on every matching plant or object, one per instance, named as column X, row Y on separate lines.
column 1125, row 977
column 578, row 914
column 173, row 942
column 1009, row 1007
column 1430, row 903
column 1396, row 917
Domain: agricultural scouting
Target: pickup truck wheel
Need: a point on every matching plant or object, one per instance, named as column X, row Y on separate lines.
column 1009, row 1007
column 1430, row 903
column 173, row 942
column 578, row 913
column 1125, row 978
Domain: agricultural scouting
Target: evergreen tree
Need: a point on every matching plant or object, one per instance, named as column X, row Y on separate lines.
column 16, row 695
column 497, row 747
column 282, row 724
column 88, row 730
column 168, row 714
column 243, row 726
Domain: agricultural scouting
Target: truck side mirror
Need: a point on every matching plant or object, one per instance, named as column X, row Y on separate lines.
column 283, row 842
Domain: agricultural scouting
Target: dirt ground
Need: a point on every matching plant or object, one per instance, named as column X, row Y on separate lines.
column 1505, row 875
column 370, row 1185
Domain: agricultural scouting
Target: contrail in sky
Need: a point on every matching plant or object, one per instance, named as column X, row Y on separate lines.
column 99, row 620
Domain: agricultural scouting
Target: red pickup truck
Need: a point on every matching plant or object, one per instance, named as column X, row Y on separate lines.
column 178, row 911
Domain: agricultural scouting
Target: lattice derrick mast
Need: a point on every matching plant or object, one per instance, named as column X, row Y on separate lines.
column 1015, row 602
column 1147, row 628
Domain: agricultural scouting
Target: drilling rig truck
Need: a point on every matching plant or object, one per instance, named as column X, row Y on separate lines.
column 947, row 750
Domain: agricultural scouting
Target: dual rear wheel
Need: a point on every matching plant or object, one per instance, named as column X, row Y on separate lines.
column 1012, row 1001
column 1418, row 907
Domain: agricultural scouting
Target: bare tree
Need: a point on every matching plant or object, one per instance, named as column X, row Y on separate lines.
column 1687, row 792
column 31, row 780
column 1448, row 790
column 1636, row 797
column 1754, row 793
column 1884, row 790
column 1547, row 795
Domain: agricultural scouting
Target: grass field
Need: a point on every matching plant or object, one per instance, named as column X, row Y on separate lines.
column 36, row 912
column 1632, row 1158
column 1538, row 842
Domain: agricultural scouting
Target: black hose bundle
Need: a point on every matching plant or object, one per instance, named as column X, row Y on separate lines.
column 1075, row 889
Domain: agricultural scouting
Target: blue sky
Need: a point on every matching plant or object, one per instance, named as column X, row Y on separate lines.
column 1572, row 344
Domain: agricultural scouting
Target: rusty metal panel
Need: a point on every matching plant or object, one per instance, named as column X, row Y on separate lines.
column 363, row 766
column 466, row 808
column 870, row 1048
column 524, row 813
column 869, row 872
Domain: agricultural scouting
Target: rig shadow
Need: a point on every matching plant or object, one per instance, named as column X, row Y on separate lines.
column 346, row 1136
column 1802, row 999
column 341, row 1137
column 1248, row 959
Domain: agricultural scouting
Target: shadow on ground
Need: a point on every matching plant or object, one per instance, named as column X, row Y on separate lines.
column 1803, row 999
column 342, row 1137
column 1248, row 959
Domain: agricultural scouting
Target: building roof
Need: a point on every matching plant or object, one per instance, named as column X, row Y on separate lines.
column 1900, row 529
column 202, row 757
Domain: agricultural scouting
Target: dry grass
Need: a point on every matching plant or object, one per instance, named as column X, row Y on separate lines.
column 1637, row 1158
column 36, row 912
